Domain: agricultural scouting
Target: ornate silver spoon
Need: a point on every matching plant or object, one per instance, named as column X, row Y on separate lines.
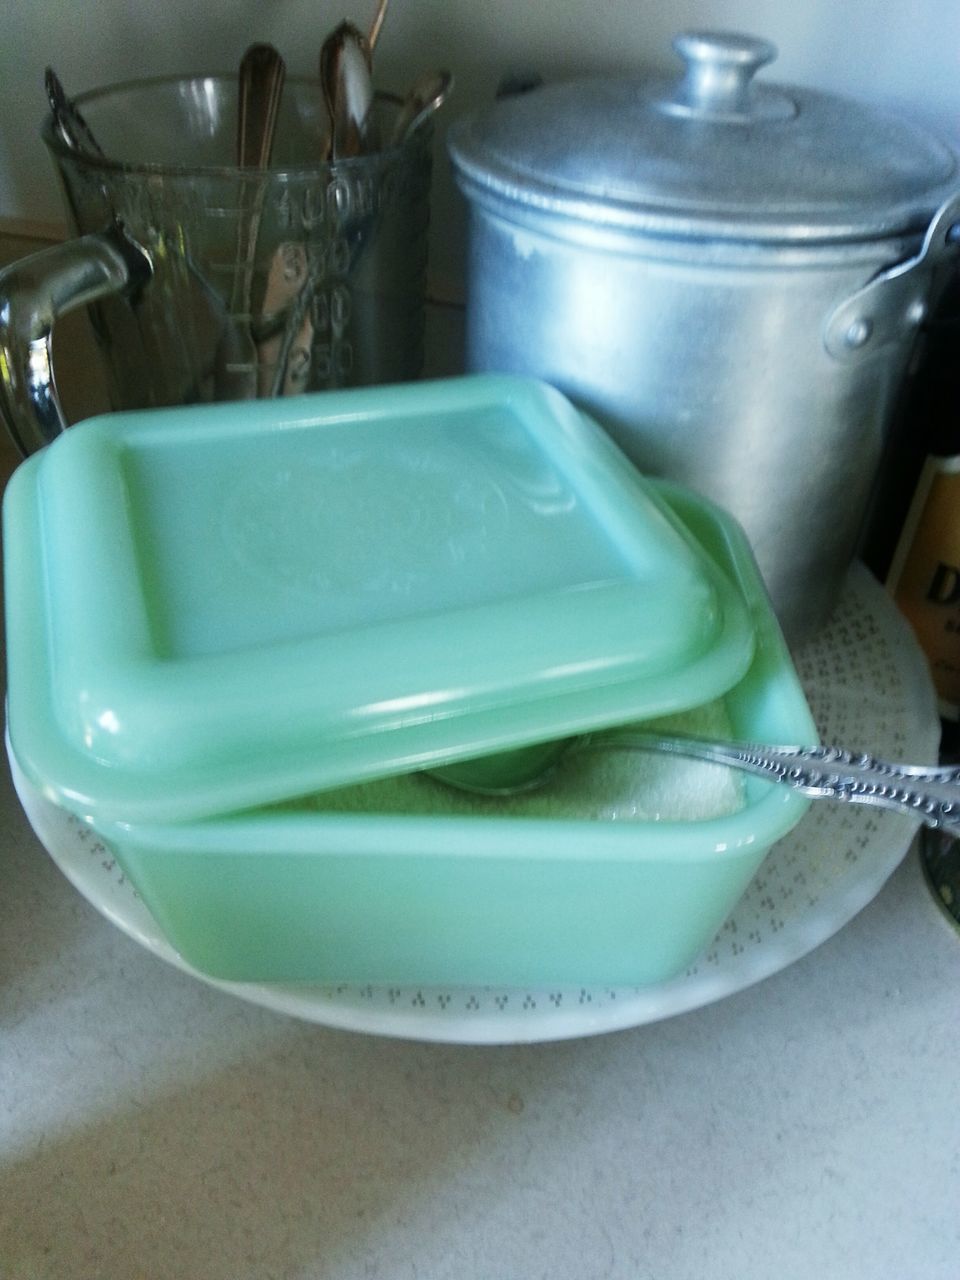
column 930, row 793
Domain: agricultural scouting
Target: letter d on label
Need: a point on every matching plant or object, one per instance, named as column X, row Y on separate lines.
column 944, row 585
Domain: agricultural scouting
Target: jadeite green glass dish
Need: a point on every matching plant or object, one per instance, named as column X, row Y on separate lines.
column 297, row 894
column 117, row 537
column 218, row 607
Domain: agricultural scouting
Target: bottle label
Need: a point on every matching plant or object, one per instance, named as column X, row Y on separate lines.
column 924, row 576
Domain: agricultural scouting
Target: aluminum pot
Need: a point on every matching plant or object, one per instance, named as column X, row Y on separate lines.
column 729, row 274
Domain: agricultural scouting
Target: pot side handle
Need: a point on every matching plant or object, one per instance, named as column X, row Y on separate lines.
column 33, row 292
column 898, row 299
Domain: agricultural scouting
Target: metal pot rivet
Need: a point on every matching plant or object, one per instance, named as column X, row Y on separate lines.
column 916, row 312
column 859, row 332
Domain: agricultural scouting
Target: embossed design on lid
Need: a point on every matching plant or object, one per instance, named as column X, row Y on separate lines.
column 216, row 607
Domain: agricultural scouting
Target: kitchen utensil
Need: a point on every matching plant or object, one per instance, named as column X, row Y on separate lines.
column 728, row 274
column 163, row 282
column 67, row 120
column 345, row 74
column 376, row 24
column 425, row 96
column 261, row 77
column 260, row 85
column 353, row 587
column 822, row 773
column 285, row 328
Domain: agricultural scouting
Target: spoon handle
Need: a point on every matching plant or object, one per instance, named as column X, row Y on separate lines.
column 928, row 792
column 261, row 77
column 373, row 35
column 427, row 94
column 345, row 80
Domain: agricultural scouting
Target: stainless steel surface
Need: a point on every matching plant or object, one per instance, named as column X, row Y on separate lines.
column 693, row 258
column 336, row 278
column 346, row 77
column 67, row 120
column 897, row 299
column 716, row 152
column 426, row 95
column 717, row 82
column 45, row 285
column 376, row 23
column 261, row 76
column 259, row 88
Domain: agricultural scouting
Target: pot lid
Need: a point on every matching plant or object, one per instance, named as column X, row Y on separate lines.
column 215, row 607
column 716, row 152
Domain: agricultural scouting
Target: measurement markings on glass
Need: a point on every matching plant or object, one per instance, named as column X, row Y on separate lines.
column 221, row 211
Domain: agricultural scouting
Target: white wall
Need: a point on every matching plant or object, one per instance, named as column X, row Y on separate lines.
column 903, row 54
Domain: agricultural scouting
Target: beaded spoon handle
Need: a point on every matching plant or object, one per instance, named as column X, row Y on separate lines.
column 928, row 792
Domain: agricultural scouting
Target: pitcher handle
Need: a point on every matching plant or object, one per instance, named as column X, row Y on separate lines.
column 34, row 292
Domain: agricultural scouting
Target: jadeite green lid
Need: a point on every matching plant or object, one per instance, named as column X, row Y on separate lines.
column 212, row 608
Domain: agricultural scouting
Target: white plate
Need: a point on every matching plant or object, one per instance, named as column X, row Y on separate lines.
column 869, row 688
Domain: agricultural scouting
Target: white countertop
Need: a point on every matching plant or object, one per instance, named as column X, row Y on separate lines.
column 155, row 1127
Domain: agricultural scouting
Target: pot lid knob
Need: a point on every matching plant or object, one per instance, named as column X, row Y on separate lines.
column 717, row 83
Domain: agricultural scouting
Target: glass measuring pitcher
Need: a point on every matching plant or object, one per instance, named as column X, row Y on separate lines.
column 207, row 281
